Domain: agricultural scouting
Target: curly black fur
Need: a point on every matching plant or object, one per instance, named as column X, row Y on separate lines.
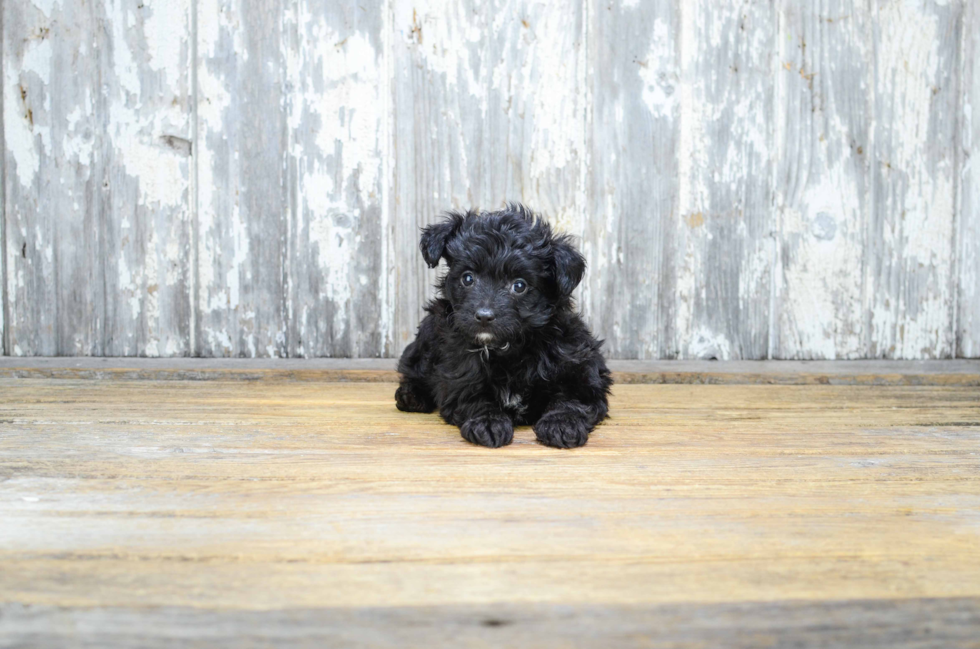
column 494, row 352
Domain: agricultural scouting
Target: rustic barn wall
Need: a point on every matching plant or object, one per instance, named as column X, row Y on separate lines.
column 752, row 179
column 967, row 166
column 97, row 116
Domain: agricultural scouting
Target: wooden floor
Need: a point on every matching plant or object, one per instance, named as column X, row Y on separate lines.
column 258, row 513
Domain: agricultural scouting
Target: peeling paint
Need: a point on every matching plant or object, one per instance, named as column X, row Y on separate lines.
column 23, row 85
column 967, row 311
column 656, row 71
column 822, row 191
column 723, row 259
column 746, row 181
column 96, row 197
column 914, row 180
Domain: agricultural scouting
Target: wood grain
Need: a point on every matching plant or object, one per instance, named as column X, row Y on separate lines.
column 242, row 210
column 627, row 235
column 439, row 103
column 723, row 246
column 822, row 192
column 336, row 267
column 123, row 497
column 97, row 121
column 910, row 244
column 880, row 373
column 4, row 300
column 968, row 166
column 765, row 179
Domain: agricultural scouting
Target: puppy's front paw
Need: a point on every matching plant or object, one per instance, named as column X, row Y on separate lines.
column 489, row 430
column 562, row 429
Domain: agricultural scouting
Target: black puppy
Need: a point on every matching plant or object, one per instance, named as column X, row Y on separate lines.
column 501, row 344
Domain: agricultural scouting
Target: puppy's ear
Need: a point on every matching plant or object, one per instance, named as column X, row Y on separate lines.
column 435, row 237
column 569, row 265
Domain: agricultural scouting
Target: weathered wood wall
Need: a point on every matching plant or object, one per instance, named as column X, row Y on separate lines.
column 751, row 179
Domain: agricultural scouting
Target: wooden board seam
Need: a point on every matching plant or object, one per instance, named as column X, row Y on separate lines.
column 964, row 374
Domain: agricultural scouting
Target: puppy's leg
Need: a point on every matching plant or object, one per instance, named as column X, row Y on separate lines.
column 414, row 397
column 571, row 415
column 481, row 422
column 413, row 393
column 566, row 424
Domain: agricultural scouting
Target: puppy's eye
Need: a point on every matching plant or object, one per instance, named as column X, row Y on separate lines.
column 519, row 286
column 467, row 279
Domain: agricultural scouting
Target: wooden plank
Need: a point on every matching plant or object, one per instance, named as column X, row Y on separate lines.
column 291, row 241
column 824, row 177
column 243, row 212
column 817, row 512
column 53, row 211
column 4, row 302
column 910, row 274
column 488, row 106
column 146, row 212
column 872, row 624
column 968, row 168
column 337, row 276
column 722, row 245
column 945, row 372
column 439, row 102
column 633, row 176
column 535, row 70
column 97, row 177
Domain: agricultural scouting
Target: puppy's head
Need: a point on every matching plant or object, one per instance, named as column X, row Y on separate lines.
column 508, row 272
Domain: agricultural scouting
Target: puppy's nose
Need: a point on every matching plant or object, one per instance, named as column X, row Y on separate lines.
column 484, row 315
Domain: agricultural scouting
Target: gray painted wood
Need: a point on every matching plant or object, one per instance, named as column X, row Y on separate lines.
column 242, row 194
column 4, row 301
column 335, row 261
column 147, row 211
column 633, row 176
column 537, row 103
column 41, row 223
column 438, row 107
column 722, row 246
column 910, row 245
column 766, row 179
column 291, row 112
column 822, row 190
column 97, row 122
column 968, row 170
